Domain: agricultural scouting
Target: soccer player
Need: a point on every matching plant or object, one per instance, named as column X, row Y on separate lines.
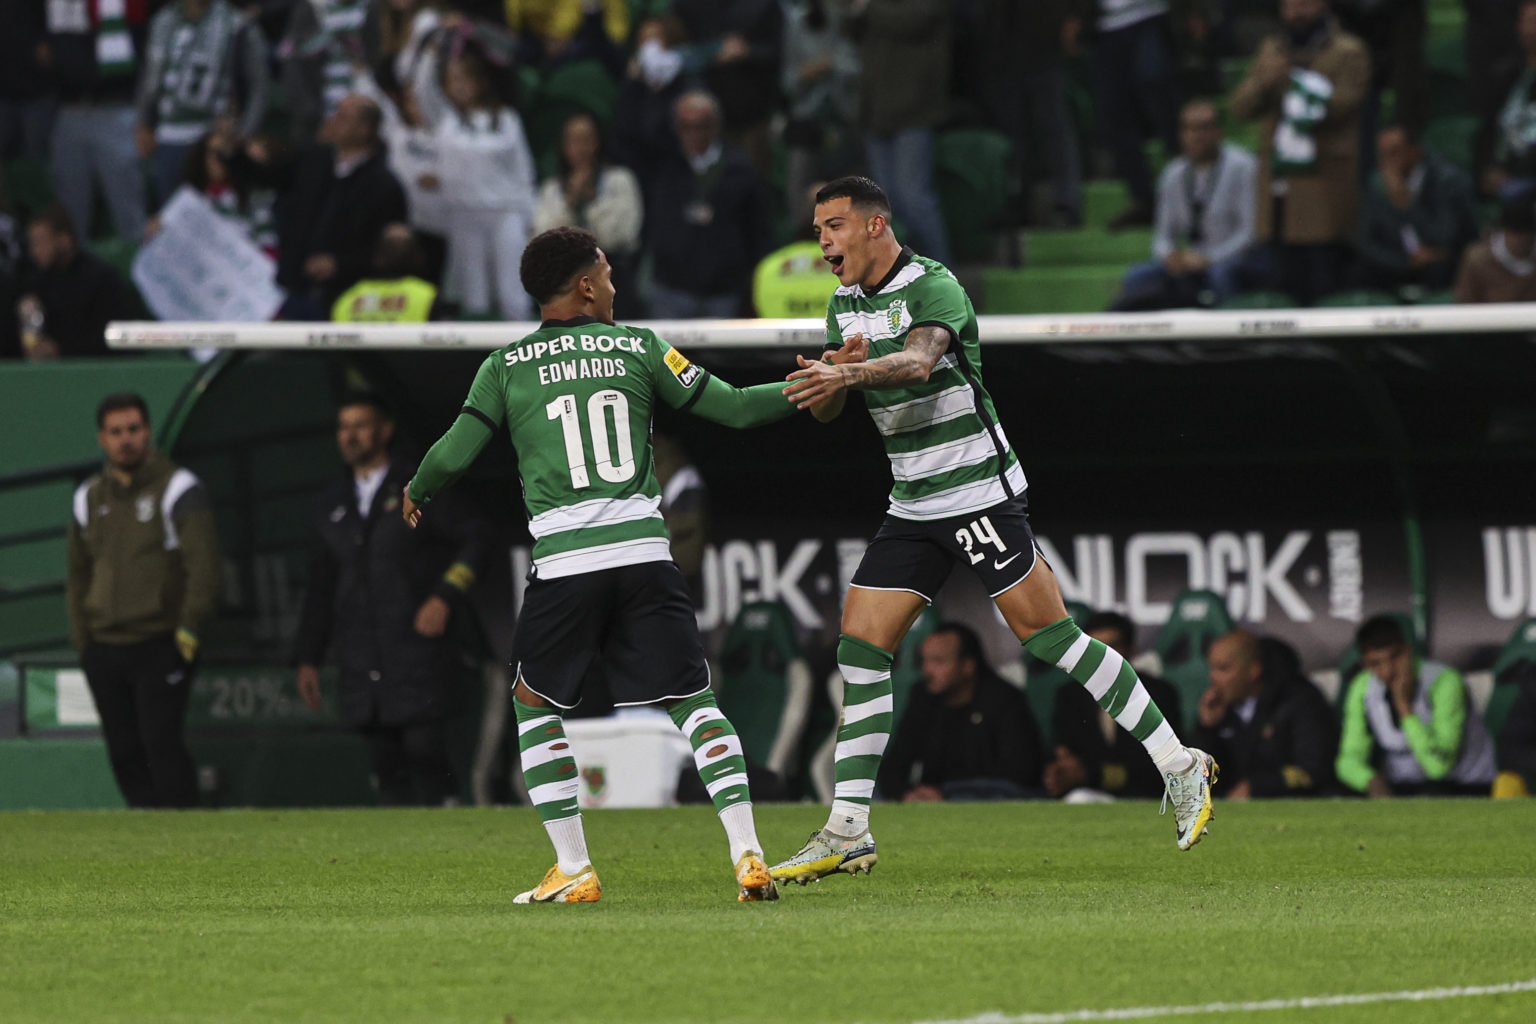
column 576, row 397
column 958, row 495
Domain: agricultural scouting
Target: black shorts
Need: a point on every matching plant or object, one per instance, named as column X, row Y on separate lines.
column 917, row 556
column 638, row 619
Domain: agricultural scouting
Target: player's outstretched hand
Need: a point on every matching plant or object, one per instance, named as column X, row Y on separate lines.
column 814, row 382
column 854, row 350
column 409, row 509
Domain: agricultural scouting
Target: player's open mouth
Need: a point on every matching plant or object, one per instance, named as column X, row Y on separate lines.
column 836, row 261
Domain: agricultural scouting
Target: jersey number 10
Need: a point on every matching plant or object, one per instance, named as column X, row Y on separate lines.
column 614, row 471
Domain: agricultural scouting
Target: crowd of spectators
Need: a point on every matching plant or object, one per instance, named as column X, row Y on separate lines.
column 687, row 131
column 1404, row 724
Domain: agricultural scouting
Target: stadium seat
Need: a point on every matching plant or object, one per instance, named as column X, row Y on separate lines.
column 1349, row 663
column 764, row 684
column 1358, row 297
column 27, row 184
column 118, row 252
column 1103, row 201
column 971, row 176
column 1514, row 667
column 1197, row 619
column 1262, row 299
column 1451, row 135
column 582, row 86
column 1086, row 246
column 1413, row 295
column 1041, row 680
column 1085, row 289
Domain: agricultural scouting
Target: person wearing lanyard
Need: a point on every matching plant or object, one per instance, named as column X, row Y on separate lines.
column 1205, row 215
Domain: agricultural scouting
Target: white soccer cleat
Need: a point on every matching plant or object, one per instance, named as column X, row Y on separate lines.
column 825, row 854
column 1190, row 793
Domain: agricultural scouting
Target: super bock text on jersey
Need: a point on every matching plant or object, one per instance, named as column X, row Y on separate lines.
column 576, row 398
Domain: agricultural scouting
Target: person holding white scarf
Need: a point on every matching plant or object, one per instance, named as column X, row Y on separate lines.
column 1305, row 87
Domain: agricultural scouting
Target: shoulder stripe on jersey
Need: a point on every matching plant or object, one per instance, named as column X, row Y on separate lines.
column 596, row 512
column 83, row 503
column 698, row 390
column 182, row 481
column 470, row 410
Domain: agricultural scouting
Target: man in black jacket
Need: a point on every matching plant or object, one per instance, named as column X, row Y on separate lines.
column 70, row 295
column 705, row 218
column 334, row 206
column 966, row 734
column 380, row 596
column 1268, row 726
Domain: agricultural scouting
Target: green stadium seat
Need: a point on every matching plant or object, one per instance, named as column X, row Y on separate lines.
column 971, row 177
column 28, row 185
column 1451, row 136
column 118, row 252
column 1514, row 667
column 582, row 86
column 1260, row 299
column 764, row 684
column 1358, row 297
column 1103, row 201
column 1416, row 296
column 1042, row 680
column 1197, row 619
column 1086, row 246
column 1085, row 289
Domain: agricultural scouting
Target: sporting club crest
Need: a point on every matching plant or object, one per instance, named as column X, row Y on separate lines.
column 596, row 779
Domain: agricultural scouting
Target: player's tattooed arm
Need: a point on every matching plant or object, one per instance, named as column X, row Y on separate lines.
column 811, row 386
column 912, row 365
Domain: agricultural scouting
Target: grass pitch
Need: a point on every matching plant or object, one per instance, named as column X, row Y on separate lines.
column 385, row 916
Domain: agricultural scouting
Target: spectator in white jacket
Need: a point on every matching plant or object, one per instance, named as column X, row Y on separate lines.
column 486, row 180
column 591, row 193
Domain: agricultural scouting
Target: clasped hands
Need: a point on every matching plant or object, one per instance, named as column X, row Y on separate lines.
column 819, row 379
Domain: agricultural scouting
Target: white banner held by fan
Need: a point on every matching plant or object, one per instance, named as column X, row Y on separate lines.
column 202, row 266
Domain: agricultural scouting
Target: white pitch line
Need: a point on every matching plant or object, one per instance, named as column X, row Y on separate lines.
column 1302, row 1003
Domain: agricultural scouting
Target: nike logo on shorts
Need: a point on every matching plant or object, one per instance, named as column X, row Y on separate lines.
column 1004, row 563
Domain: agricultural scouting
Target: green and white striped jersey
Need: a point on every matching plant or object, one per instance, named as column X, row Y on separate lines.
column 948, row 453
column 576, row 397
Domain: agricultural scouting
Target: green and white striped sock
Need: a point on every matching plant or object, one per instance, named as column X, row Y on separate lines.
column 863, row 730
column 1115, row 685
column 722, row 767
column 549, row 771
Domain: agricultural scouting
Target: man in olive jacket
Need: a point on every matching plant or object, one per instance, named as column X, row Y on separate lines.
column 143, row 577
column 380, row 596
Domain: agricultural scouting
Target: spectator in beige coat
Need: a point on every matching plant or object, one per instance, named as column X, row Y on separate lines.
column 1305, row 87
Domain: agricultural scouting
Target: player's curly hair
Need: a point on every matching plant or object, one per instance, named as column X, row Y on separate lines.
column 553, row 259
column 862, row 192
